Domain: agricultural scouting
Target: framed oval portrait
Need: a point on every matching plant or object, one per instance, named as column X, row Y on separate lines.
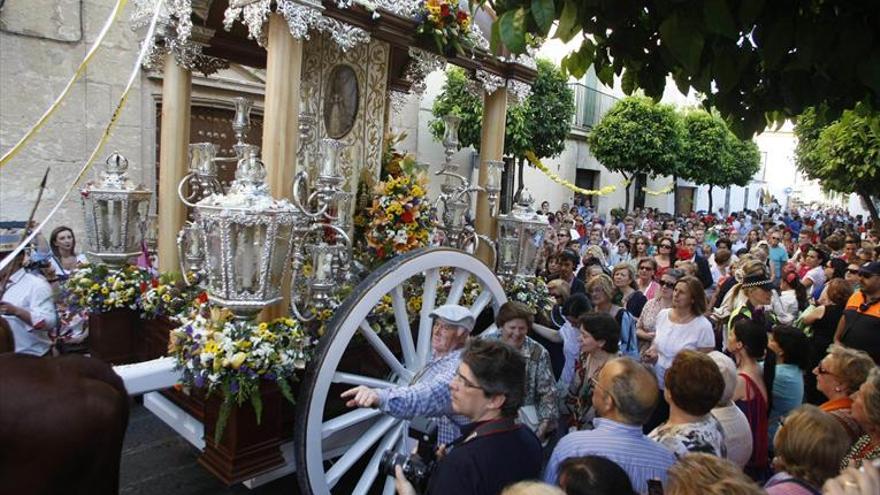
column 341, row 101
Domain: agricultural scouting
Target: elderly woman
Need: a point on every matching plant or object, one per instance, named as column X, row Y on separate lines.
column 646, row 326
column 540, row 409
column 734, row 424
column 599, row 335
column 866, row 412
column 808, row 448
column 626, row 290
column 838, row 376
column 645, row 281
column 693, row 386
column 823, row 321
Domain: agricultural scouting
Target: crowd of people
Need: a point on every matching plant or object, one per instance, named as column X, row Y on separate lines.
column 704, row 353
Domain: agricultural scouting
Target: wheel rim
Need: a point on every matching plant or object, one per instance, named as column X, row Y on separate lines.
column 314, row 432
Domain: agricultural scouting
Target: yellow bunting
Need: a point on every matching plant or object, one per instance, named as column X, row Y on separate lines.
column 659, row 192
column 120, row 4
column 105, row 136
column 530, row 156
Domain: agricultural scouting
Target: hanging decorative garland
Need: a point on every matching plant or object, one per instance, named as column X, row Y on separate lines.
column 668, row 188
column 530, row 156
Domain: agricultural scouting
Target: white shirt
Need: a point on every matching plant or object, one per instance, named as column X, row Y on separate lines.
column 737, row 433
column 33, row 294
column 789, row 307
column 673, row 338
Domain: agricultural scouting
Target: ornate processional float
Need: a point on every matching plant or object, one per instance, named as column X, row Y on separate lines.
column 276, row 251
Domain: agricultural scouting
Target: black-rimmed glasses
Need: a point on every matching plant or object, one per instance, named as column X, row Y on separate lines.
column 464, row 381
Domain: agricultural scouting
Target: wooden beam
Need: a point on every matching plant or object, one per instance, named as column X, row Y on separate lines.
column 281, row 122
column 491, row 148
column 173, row 152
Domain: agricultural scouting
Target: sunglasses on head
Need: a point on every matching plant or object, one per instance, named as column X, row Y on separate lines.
column 853, row 271
column 668, row 285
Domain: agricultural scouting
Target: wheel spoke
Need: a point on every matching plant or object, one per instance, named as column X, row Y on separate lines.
column 348, row 420
column 335, row 473
column 372, row 469
column 383, row 350
column 481, row 302
column 461, row 277
column 353, row 379
column 429, row 297
column 389, row 487
column 401, row 318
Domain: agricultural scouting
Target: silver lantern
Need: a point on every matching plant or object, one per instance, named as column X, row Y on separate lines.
column 520, row 238
column 114, row 209
column 248, row 238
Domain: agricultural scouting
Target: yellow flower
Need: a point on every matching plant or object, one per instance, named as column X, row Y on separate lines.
column 263, row 326
column 211, row 347
column 105, row 291
column 417, row 191
column 238, row 359
column 95, row 287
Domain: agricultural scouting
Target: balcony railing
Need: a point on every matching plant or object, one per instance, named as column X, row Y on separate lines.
column 590, row 105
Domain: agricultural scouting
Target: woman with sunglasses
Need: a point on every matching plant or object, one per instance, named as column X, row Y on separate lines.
column 837, row 377
column 645, row 277
column 852, row 276
column 647, row 325
column 665, row 257
column 823, row 321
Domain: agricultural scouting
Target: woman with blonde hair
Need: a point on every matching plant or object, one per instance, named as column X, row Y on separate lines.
column 627, row 293
column 809, row 446
column 838, row 376
column 866, row 411
column 706, row 474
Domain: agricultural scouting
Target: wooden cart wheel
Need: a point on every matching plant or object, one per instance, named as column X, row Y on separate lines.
column 332, row 445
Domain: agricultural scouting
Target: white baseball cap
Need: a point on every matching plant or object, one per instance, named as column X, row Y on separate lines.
column 454, row 314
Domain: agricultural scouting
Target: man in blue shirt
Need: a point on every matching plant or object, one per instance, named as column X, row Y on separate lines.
column 428, row 392
column 624, row 396
column 778, row 256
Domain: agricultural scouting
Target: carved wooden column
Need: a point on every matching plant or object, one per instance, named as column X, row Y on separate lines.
column 491, row 148
column 281, row 122
column 173, row 152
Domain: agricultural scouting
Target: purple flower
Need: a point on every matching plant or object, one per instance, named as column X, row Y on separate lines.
column 233, row 386
column 270, row 376
column 199, row 382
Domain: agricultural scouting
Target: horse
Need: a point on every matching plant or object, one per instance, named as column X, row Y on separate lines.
column 62, row 423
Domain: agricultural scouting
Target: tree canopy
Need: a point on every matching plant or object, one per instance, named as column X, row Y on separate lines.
column 756, row 61
column 843, row 155
column 534, row 124
column 712, row 155
column 638, row 136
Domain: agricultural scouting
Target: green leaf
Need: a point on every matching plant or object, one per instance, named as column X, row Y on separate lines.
column 544, row 13
column 512, row 27
column 606, row 75
column 684, row 40
column 749, row 10
column 777, row 41
column 577, row 62
column 222, row 418
column 257, row 403
column 568, row 22
column 718, row 19
column 628, row 81
column 495, row 38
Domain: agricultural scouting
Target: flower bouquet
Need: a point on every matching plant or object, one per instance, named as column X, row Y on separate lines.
column 168, row 295
column 531, row 291
column 220, row 354
column 448, row 25
column 99, row 288
column 399, row 219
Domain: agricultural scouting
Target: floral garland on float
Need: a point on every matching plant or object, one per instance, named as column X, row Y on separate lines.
column 218, row 354
column 531, row 291
column 99, row 288
column 447, row 25
column 168, row 296
column 398, row 221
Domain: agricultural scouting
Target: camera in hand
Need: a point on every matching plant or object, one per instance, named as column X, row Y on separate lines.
column 417, row 468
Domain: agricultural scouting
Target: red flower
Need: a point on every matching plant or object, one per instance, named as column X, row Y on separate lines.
column 154, row 282
column 444, row 10
column 407, row 217
column 202, row 298
column 380, row 253
column 461, row 16
column 143, row 287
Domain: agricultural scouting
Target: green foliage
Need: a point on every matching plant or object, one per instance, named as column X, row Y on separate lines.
column 756, row 61
column 807, row 129
column 707, row 151
column 532, row 125
column 638, row 136
column 849, row 156
column 746, row 162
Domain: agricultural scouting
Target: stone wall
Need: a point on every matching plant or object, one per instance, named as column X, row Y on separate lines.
column 41, row 44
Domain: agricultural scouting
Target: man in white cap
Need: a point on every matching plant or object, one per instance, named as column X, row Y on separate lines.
column 428, row 392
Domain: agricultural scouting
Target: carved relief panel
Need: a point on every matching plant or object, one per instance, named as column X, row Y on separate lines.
column 346, row 92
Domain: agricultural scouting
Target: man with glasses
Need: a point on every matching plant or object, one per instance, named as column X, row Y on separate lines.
column 428, row 391
column 859, row 327
column 624, row 396
column 778, row 256
column 493, row 451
